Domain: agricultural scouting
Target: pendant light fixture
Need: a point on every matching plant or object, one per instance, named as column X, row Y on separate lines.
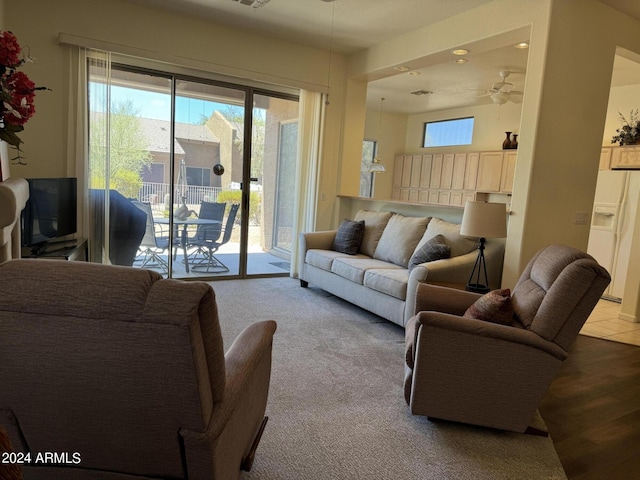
column 376, row 165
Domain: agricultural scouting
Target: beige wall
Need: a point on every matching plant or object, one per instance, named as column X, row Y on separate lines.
column 137, row 29
column 391, row 143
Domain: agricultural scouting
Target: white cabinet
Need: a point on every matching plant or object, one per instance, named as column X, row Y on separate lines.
column 627, row 156
column 459, row 170
column 471, row 171
column 605, row 158
column 436, row 170
column 416, row 167
column 446, row 179
column 508, row 171
column 452, row 178
column 489, row 172
column 425, row 171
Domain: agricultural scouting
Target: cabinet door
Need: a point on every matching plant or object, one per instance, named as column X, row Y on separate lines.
column 436, row 170
column 459, row 167
column 423, row 196
column 489, row 171
column 508, row 172
column 605, row 158
column 395, row 193
column 397, row 171
column 406, row 171
column 433, row 196
column 416, row 168
column 425, row 171
column 471, row 172
column 404, row 194
column 446, row 179
column 413, row 195
column 457, row 198
column 625, row 157
column 444, row 197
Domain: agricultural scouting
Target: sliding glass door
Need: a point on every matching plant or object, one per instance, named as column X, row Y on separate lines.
column 190, row 177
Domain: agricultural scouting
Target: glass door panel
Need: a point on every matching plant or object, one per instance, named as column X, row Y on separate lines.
column 208, row 172
column 128, row 153
column 273, row 173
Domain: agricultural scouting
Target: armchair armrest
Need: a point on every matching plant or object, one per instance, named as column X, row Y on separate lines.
column 235, row 420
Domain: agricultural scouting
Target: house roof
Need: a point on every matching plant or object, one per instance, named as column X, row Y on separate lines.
column 156, row 133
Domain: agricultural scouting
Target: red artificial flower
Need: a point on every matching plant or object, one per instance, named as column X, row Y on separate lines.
column 21, row 101
column 9, row 49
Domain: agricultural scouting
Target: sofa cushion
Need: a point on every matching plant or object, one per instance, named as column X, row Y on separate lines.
column 354, row 268
column 349, row 236
column 451, row 233
column 432, row 249
column 399, row 239
column 494, row 306
column 323, row 258
column 392, row 281
column 374, row 223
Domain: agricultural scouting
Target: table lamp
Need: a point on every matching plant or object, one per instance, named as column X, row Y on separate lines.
column 484, row 220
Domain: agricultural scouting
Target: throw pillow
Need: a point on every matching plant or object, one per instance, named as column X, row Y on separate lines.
column 494, row 306
column 399, row 239
column 451, row 233
column 349, row 237
column 374, row 223
column 433, row 249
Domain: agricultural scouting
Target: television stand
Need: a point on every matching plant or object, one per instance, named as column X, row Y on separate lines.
column 75, row 249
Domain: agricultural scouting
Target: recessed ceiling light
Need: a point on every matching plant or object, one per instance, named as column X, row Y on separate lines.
column 401, row 68
column 460, row 61
column 522, row 45
column 460, row 51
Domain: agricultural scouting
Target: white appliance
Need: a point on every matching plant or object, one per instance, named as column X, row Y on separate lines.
column 614, row 215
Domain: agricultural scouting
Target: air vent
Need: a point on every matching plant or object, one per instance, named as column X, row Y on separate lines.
column 253, row 3
column 422, row 92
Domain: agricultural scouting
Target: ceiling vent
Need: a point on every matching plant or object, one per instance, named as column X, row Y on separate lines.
column 253, row 3
column 422, row 92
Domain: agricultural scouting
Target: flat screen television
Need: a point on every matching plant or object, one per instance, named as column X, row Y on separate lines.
column 50, row 212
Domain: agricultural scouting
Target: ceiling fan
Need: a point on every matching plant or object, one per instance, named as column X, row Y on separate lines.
column 503, row 92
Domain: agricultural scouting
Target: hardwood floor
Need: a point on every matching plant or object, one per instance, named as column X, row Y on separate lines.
column 592, row 410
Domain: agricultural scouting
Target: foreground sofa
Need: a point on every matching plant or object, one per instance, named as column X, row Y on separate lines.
column 377, row 277
column 123, row 375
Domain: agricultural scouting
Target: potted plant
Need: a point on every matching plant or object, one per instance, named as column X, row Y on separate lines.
column 629, row 133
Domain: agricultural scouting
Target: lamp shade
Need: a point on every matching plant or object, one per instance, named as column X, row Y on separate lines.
column 484, row 219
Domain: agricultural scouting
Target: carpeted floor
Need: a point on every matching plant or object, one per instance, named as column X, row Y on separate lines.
column 336, row 408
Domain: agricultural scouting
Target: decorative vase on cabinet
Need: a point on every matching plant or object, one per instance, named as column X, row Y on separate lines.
column 507, row 141
column 514, row 142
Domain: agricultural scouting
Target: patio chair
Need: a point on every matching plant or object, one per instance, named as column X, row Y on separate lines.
column 210, row 263
column 211, row 233
column 152, row 245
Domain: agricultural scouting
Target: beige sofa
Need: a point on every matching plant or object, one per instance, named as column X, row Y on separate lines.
column 377, row 277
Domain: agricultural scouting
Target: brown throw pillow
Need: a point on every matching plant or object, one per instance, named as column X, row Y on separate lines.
column 349, row 237
column 494, row 306
column 433, row 249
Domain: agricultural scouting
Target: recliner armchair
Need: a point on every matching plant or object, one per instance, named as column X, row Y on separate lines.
column 126, row 373
column 495, row 375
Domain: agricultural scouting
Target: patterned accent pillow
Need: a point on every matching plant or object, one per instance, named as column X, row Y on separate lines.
column 494, row 306
column 349, row 237
column 433, row 249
